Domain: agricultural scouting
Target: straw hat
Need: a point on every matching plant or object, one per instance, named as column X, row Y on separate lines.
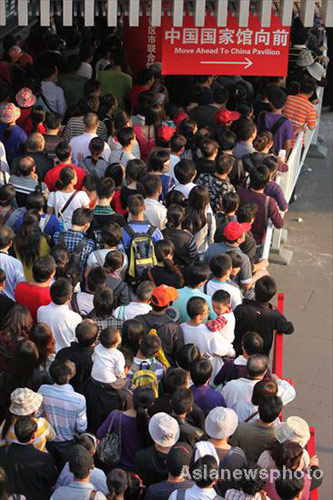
column 293, row 429
column 317, row 71
column 221, row 422
column 305, row 58
column 24, row 402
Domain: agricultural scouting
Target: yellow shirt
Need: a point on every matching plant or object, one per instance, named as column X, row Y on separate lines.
column 45, row 432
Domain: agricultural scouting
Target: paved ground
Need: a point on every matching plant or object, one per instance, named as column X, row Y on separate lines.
column 307, row 283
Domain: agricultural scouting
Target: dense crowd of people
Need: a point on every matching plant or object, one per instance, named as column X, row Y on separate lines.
column 136, row 321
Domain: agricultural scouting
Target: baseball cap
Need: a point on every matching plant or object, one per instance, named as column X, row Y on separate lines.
column 181, row 116
column 221, row 422
column 164, row 429
column 163, row 295
column 234, row 230
column 24, row 402
column 225, row 116
column 80, row 461
column 179, row 455
column 166, row 132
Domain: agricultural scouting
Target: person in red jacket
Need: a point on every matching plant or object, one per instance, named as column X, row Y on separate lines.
column 64, row 154
column 37, row 292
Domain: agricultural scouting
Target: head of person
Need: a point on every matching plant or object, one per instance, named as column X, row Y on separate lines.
column 272, row 162
column 92, row 88
column 230, row 203
column 198, row 201
column 182, row 402
column 234, row 232
column 221, row 265
column 82, row 218
column 116, row 172
column 294, row 429
column 185, row 171
column 67, row 178
column 264, row 141
column 289, row 487
column 259, row 177
column 145, row 78
column 204, row 471
column 135, row 170
column 209, row 149
column 35, row 142
column 308, row 86
column 52, row 122
column 114, row 261
column 201, row 372
column 162, row 296
column 61, row 291
column 224, row 164
column 6, row 237
column 89, row 186
column 197, row 309
column 150, row 345
column 17, row 323
column 25, row 430
column 265, row 289
column 152, row 185
column 252, row 482
column 90, row 122
column 144, row 291
column 111, row 235
column 164, row 430
column 177, row 144
column 126, row 137
column 175, row 216
column 42, row 335
column 7, row 196
column 132, row 334
column 48, row 71
column 86, row 333
column 158, row 161
column 221, row 302
column 61, row 256
column 96, row 278
column 63, row 152
column 269, row 408
column 88, row 441
column 221, row 423
column 43, row 269
column 288, row 454
column 26, row 166
column 88, row 104
column 62, row 371
column 35, row 201
column 247, row 213
column 104, row 302
column 246, row 130
column 196, row 274
column 262, row 389
column 118, row 482
column 80, row 462
column 179, row 459
column 252, row 343
column 110, row 337
column 187, row 356
column 226, row 139
column 257, row 366
column 105, row 189
column 176, row 378
column 276, row 97
column 96, row 147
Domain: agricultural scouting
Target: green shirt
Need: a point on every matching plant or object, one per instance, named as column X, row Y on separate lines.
column 116, row 83
column 73, row 87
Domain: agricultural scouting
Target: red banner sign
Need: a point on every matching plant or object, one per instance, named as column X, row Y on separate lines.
column 230, row 50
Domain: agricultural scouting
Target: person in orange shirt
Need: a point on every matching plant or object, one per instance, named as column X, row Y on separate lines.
column 299, row 110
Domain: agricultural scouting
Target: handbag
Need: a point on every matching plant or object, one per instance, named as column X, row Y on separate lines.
column 109, row 447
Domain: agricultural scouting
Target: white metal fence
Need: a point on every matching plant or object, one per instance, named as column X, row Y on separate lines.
column 288, row 180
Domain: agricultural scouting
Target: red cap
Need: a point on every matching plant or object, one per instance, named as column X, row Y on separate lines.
column 163, row 295
column 179, row 118
column 165, row 133
column 225, row 116
column 234, row 230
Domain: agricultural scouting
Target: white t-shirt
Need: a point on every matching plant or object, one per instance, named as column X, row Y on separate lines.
column 184, row 188
column 120, row 156
column 132, row 310
column 114, row 144
column 108, row 364
column 238, row 390
column 62, row 322
column 97, row 258
column 80, row 145
column 212, row 286
column 174, row 159
column 57, row 200
column 155, row 213
column 226, row 336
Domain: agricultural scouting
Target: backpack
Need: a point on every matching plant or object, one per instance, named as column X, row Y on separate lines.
column 75, row 308
column 276, row 126
column 154, row 331
column 145, row 376
column 141, row 253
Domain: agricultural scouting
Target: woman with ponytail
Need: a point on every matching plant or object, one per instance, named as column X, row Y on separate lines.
column 184, row 243
column 118, row 482
column 147, row 135
column 166, row 272
column 133, row 425
column 30, row 243
column 113, row 266
column 66, row 199
column 11, row 135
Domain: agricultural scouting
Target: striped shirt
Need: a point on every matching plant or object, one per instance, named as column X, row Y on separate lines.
column 75, row 127
column 26, row 185
column 45, row 432
column 300, row 111
column 65, row 409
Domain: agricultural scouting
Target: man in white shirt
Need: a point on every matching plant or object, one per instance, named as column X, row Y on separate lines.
column 53, row 98
column 241, row 389
column 185, row 172
column 80, row 143
column 57, row 315
column 196, row 332
column 205, row 473
column 155, row 213
column 127, row 140
column 139, row 306
column 12, row 267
